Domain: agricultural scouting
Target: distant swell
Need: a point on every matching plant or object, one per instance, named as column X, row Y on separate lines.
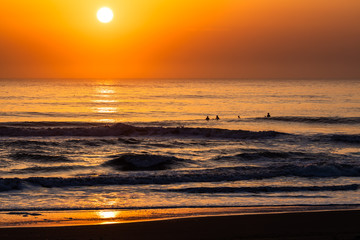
column 315, row 120
column 128, row 130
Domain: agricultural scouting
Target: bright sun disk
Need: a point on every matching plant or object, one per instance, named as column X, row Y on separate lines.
column 105, row 14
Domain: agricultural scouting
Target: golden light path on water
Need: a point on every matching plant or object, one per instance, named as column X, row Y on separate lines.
column 106, row 95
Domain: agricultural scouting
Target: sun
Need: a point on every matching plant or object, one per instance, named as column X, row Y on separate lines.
column 105, row 15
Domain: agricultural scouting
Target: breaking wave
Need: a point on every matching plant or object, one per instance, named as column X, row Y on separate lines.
column 220, row 174
column 136, row 162
column 120, row 129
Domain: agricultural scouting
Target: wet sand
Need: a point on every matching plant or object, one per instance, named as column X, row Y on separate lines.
column 304, row 225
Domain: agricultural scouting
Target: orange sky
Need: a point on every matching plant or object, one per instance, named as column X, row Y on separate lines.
column 180, row 39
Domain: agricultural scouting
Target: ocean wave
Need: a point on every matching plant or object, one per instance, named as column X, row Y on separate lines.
column 10, row 184
column 322, row 169
column 34, row 157
column 89, row 142
column 129, row 140
column 265, row 189
column 220, row 174
column 46, row 169
column 314, row 120
column 346, row 138
column 50, row 124
column 120, row 129
column 256, row 154
column 30, row 143
column 138, row 162
column 272, row 156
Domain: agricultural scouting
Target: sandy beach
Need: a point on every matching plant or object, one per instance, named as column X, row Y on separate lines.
column 304, row 225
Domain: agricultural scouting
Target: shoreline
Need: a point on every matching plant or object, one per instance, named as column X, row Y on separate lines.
column 66, row 218
column 326, row 224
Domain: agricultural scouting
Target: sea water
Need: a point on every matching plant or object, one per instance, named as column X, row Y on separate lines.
column 90, row 144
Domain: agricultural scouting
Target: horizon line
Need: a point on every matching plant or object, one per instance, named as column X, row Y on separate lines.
column 172, row 78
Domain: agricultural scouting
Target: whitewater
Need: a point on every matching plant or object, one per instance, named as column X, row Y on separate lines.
column 145, row 144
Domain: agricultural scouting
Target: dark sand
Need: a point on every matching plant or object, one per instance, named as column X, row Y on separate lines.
column 334, row 225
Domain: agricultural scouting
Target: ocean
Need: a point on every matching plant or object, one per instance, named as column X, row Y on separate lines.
column 116, row 145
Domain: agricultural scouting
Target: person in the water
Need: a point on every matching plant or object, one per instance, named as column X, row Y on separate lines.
column 217, row 117
column 207, row 118
column 268, row 115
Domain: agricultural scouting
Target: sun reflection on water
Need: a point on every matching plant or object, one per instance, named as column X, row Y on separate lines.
column 105, row 90
column 105, row 109
column 107, row 214
column 107, row 120
column 104, row 96
column 104, row 101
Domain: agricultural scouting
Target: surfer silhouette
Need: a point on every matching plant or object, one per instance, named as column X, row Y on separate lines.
column 207, row 118
column 217, row 117
column 268, row 115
